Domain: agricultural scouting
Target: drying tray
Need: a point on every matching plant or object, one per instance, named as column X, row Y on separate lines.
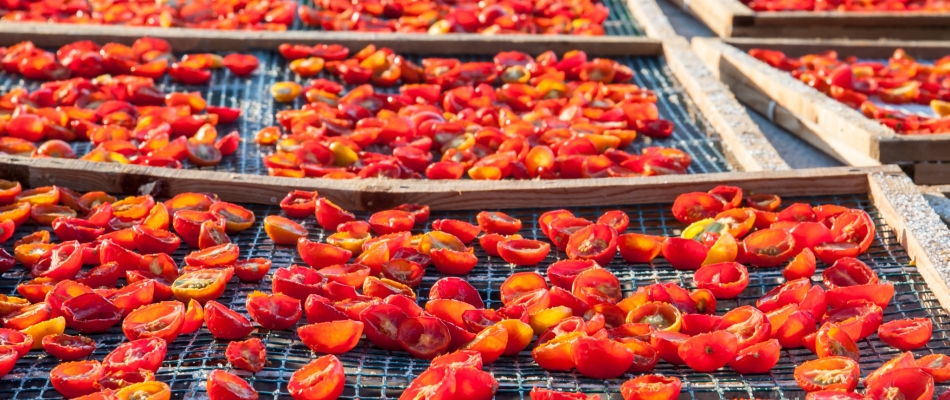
column 709, row 124
column 732, row 18
column 840, row 131
column 908, row 251
column 629, row 22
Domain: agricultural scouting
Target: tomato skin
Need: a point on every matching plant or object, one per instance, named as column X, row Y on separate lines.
column 748, row 324
column 523, row 252
column 906, row 334
column 597, row 286
column 847, row 371
column 297, row 282
column 708, row 352
column 76, row 378
column 595, row 242
column 768, row 247
column 211, row 284
column 141, row 323
column 155, row 390
column 334, row 337
column 538, row 393
column 274, row 311
column 61, row 262
column 831, row 341
column 667, row 344
column 225, row 323
column 937, row 365
column 194, row 317
column 802, row 266
column 381, row 323
column 322, row 379
column 227, row 386
column 411, row 331
column 249, row 355
column 283, row 231
column 320, row 255
column 456, row 289
column 563, row 273
column 329, row 215
column 908, row 383
column 726, row 280
column 142, row 353
column 252, row 269
column 433, row 383
column 792, row 332
column 90, row 312
column 786, row 293
column 696, row 206
column 651, row 387
column 637, row 248
column 684, row 254
column 859, row 319
column 759, row 358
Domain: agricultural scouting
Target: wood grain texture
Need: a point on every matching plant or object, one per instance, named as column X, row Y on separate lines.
column 931, row 173
column 730, row 18
column 925, row 49
column 918, row 229
column 185, row 39
column 719, row 15
column 652, row 19
column 374, row 194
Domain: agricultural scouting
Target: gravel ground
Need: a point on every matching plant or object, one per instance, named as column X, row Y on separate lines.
column 795, row 152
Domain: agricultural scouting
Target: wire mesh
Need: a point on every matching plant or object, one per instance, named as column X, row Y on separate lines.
column 619, row 22
column 375, row 373
column 691, row 134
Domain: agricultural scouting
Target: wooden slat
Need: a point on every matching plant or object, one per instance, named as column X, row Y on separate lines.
column 651, row 19
column 730, row 18
column 919, row 229
column 183, row 39
column 719, row 15
column 372, row 194
column 926, row 49
column 873, row 20
column 931, row 173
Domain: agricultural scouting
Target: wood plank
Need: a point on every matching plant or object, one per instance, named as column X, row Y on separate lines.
column 842, row 20
column 719, row 15
column 931, row 173
column 834, row 31
column 919, row 229
column 651, row 18
column 925, row 49
column 373, row 194
column 184, row 39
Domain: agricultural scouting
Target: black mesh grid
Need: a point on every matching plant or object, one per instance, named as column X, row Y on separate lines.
column 374, row 373
column 619, row 22
column 692, row 134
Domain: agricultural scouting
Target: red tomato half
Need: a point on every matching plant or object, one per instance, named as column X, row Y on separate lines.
column 708, row 352
column 651, row 387
column 227, row 386
column 225, row 323
column 726, row 280
column 322, row 379
column 906, row 334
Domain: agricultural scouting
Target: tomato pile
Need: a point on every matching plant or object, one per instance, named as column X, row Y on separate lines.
column 903, row 80
column 273, row 15
column 435, row 17
column 112, row 267
column 550, row 118
column 894, row 6
column 107, row 95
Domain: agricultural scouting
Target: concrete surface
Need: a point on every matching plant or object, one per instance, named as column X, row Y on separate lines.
column 795, row 152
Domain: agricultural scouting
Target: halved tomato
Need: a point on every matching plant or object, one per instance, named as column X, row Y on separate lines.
column 832, row 373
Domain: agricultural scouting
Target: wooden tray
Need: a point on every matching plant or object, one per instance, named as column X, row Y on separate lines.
column 731, row 18
column 907, row 251
column 645, row 14
column 743, row 146
column 838, row 130
column 919, row 228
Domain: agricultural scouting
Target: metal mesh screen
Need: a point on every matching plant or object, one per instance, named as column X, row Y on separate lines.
column 374, row 373
column 692, row 134
column 619, row 22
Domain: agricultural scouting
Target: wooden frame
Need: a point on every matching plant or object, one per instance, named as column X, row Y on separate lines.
column 731, row 18
column 186, row 39
column 918, row 227
column 838, row 130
